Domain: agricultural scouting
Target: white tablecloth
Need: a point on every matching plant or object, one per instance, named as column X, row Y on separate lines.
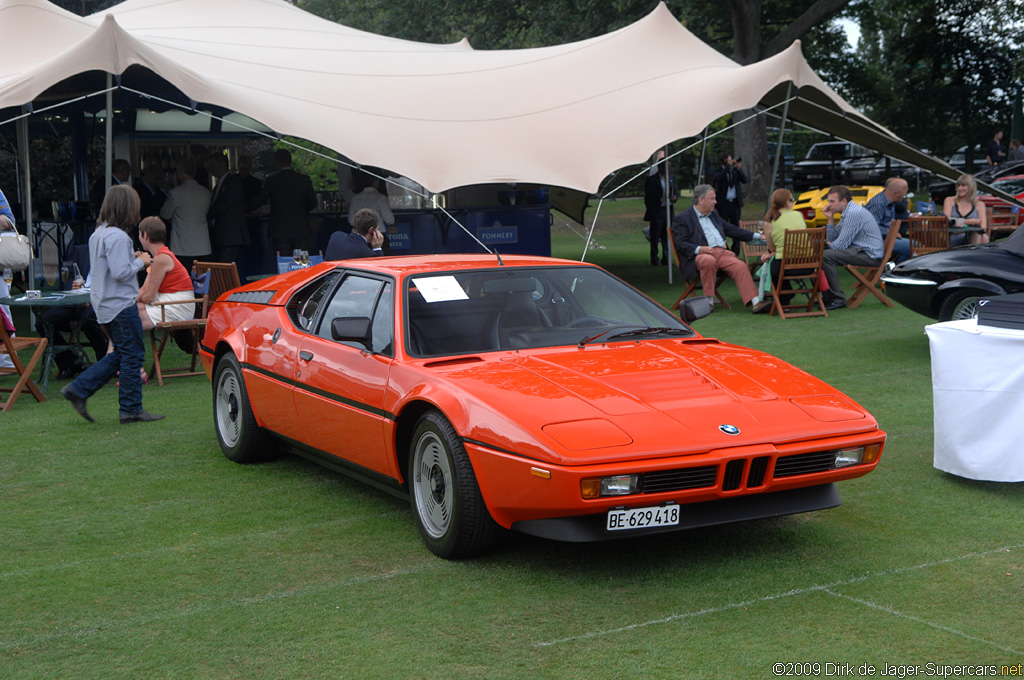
column 978, row 388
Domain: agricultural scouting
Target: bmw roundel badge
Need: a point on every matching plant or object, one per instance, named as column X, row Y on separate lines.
column 729, row 429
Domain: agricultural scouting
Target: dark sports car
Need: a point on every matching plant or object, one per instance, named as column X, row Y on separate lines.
column 947, row 285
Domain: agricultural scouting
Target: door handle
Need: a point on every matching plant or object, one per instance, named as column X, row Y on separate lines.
column 305, row 356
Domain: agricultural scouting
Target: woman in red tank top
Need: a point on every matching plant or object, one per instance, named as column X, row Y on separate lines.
column 167, row 280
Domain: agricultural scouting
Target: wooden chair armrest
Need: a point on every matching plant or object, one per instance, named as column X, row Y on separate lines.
column 178, row 325
column 165, row 303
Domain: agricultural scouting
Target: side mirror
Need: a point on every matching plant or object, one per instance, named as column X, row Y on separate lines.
column 694, row 308
column 351, row 329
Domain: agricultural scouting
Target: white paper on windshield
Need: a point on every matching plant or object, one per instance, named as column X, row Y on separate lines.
column 440, row 289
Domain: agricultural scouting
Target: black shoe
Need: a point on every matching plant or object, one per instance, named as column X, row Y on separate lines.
column 142, row 416
column 833, row 305
column 70, row 373
column 76, row 402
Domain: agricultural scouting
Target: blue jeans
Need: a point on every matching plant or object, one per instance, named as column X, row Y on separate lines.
column 901, row 249
column 129, row 353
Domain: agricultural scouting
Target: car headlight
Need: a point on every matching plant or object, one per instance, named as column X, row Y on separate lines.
column 616, row 485
column 858, row 455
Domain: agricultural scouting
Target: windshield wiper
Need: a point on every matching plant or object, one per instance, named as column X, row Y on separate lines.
column 636, row 332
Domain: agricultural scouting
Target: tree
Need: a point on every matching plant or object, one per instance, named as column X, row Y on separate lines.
column 942, row 74
column 85, row 7
column 758, row 33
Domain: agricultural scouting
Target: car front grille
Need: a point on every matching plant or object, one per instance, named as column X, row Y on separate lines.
column 738, row 473
column 804, row 463
column 676, row 480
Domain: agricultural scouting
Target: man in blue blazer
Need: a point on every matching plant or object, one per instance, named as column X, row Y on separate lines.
column 699, row 236
column 365, row 239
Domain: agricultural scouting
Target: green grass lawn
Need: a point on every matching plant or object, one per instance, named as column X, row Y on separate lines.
column 140, row 552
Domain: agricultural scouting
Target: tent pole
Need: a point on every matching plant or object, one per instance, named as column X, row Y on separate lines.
column 590, row 233
column 668, row 213
column 109, row 123
column 26, row 193
column 703, row 148
column 782, row 131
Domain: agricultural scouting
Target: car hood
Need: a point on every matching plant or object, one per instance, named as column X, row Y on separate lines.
column 1003, row 260
column 647, row 399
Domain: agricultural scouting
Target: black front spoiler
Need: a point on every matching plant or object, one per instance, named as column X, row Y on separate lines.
column 589, row 528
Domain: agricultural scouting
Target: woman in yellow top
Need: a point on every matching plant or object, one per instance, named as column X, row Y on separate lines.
column 780, row 218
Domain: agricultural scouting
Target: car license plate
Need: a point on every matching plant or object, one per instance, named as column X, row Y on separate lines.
column 643, row 518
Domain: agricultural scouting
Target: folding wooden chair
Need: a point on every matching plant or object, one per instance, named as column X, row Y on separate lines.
column 11, row 346
column 223, row 276
column 868, row 277
column 752, row 252
column 193, row 327
column 800, row 263
column 928, row 234
column 695, row 284
column 1001, row 220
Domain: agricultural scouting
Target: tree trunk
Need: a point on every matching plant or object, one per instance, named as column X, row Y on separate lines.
column 750, row 136
column 751, row 147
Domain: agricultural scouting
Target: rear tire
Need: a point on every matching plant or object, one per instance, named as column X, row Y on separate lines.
column 959, row 305
column 241, row 438
column 450, row 512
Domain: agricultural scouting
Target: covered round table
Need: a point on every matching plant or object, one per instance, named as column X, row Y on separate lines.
column 978, row 390
column 39, row 305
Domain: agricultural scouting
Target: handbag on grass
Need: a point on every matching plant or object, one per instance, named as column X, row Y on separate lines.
column 15, row 251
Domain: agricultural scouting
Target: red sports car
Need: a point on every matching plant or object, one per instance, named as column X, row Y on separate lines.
column 1012, row 216
column 533, row 394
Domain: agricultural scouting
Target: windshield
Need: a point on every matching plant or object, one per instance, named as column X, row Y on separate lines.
column 1011, row 186
column 466, row 312
column 825, row 152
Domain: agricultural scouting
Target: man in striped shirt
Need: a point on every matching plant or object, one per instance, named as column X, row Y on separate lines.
column 856, row 239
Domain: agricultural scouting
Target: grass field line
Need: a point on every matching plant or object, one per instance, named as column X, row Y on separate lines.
column 894, row 612
column 135, row 622
column 198, row 544
column 869, row 576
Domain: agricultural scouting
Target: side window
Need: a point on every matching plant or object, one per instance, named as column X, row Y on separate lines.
column 355, row 298
column 302, row 308
column 384, row 323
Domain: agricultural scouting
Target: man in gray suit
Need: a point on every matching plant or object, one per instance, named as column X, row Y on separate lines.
column 291, row 199
column 227, row 210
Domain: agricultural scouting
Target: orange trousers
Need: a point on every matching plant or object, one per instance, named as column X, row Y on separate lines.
column 710, row 261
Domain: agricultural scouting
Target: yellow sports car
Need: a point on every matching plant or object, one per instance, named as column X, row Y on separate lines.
column 810, row 203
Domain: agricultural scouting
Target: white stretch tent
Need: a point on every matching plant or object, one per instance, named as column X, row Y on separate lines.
column 443, row 115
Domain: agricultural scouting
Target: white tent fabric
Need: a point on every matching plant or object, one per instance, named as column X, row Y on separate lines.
column 443, row 115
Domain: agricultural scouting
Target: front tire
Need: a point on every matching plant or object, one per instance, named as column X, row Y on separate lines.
column 241, row 438
column 959, row 305
column 450, row 512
